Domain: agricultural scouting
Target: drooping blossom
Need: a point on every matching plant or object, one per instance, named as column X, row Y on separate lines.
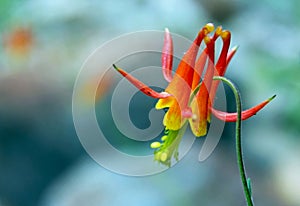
column 190, row 95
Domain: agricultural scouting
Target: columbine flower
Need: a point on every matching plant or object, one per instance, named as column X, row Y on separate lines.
column 189, row 96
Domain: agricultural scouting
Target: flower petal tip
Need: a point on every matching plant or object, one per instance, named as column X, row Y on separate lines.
column 225, row 34
column 235, row 48
column 219, row 30
column 210, row 27
column 232, row 117
column 271, row 98
column 115, row 67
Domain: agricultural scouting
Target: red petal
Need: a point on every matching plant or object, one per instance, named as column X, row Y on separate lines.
column 141, row 86
column 218, row 32
column 167, row 56
column 230, row 54
column 221, row 65
column 232, row 117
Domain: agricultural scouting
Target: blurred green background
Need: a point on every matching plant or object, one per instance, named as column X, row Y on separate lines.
column 43, row 46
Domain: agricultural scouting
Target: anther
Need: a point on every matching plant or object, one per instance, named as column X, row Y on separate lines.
column 163, row 156
column 155, row 145
column 157, row 156
column 164, row 138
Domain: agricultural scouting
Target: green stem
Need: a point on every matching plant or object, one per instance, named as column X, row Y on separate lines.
column 238, row 142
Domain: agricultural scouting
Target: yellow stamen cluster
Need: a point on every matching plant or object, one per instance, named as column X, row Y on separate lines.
column 162, row 155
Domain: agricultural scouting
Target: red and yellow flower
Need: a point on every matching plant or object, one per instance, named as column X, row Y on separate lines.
column 190, row 95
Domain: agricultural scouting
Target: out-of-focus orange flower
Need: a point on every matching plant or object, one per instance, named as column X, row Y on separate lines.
column 19, row 41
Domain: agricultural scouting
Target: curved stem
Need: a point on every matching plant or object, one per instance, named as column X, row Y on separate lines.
column 238, row 141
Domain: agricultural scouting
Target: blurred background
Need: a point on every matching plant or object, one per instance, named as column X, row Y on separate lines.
column 43, row 46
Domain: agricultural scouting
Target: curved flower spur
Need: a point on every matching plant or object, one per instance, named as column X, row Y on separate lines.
column 189, row 96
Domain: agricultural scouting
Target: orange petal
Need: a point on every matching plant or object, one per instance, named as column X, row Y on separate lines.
column 197, row 123
column 199, row 67
column 167, row 56
column 141, row 86
column 232, row 117
column 199, row 104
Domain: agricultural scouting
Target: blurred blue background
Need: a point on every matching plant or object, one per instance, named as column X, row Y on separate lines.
column 43, row 46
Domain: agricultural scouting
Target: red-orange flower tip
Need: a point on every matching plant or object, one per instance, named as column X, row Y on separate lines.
column 231, row 54
column 235, row 48
column 232, row 117
column 218, row 30
column 225, row 34
column 141, row 86
column 167, row 56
